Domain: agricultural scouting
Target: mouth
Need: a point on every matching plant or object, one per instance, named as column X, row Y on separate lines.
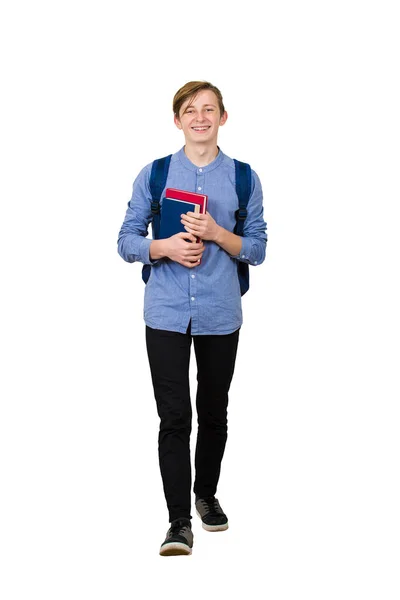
column 201, row 129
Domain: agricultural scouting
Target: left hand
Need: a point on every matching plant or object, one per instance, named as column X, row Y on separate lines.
column 202, row 226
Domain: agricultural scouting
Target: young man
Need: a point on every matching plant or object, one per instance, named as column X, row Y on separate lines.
column 193, row 292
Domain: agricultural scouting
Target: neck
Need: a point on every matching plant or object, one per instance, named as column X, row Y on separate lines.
column 200, row 154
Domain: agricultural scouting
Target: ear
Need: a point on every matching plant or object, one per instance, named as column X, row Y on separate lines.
column 177, row 122
column 223, row 119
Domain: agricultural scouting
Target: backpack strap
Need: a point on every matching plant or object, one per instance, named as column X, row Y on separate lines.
column 158, row 180
column 243, row 191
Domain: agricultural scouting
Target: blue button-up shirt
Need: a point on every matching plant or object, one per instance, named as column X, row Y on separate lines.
column 208, row 294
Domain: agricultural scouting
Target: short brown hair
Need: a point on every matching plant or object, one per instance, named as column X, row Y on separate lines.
column 190, row 90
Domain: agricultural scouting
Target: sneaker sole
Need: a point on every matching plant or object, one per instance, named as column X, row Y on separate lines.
column 174, row 549
column 222, row 527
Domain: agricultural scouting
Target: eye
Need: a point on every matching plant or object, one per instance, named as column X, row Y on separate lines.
column 211, row 109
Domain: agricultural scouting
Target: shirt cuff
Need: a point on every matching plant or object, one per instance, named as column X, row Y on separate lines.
column 245, row 251
column 144, row 251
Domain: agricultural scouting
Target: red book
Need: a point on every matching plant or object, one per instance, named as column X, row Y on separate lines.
column 200, row 199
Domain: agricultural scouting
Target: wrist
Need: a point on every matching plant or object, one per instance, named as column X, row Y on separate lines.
column 157, row 249
column 219, row 235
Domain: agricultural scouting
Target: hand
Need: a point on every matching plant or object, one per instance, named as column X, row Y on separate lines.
column 202, row 226
column 178, row 249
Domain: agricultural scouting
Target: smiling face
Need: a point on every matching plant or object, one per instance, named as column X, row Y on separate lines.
column 200, row 119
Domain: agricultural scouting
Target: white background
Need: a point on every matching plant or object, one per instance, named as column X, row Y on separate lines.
column 310, row 478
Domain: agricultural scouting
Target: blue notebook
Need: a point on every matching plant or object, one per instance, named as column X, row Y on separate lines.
column 171, row 211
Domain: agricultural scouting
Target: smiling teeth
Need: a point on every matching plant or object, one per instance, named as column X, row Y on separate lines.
column 199, row 128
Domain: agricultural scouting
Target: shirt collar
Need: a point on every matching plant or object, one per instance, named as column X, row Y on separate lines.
column 192, row 167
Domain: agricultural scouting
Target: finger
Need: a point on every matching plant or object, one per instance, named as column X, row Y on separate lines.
column 197, row 247
column 192, row 227
column 194, row 215
column 190, row 263
column 186, row 236
column 193, row 264
column 193, row 259
column 188, row 220
column 195, row 253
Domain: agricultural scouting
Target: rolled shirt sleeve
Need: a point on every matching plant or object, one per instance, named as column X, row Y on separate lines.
column 254, row 239
column 133, row 243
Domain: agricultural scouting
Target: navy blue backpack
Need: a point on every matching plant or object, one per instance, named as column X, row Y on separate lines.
column 158, row 180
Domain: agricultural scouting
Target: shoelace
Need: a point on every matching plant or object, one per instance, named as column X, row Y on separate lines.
column 178, row 527
column 211, row 504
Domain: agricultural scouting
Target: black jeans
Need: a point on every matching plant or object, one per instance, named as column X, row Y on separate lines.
column 169, row 356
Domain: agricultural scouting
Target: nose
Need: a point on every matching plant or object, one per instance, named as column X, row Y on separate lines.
column 200, row 117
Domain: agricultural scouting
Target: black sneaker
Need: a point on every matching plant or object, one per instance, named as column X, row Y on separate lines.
column 211, row 514
column 179, row 538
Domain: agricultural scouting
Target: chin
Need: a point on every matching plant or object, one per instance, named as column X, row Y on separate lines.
column 203, row 138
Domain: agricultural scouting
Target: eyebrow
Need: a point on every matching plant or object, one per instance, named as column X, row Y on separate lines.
column 191, row 106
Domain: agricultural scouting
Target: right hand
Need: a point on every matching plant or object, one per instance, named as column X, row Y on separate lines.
column 181, row 251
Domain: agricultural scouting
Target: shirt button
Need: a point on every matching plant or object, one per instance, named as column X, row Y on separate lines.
column 255, row 262
column 243, row 256
column 200, row 170
column 199, row 188
column 193, row 276
column 193, row 298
